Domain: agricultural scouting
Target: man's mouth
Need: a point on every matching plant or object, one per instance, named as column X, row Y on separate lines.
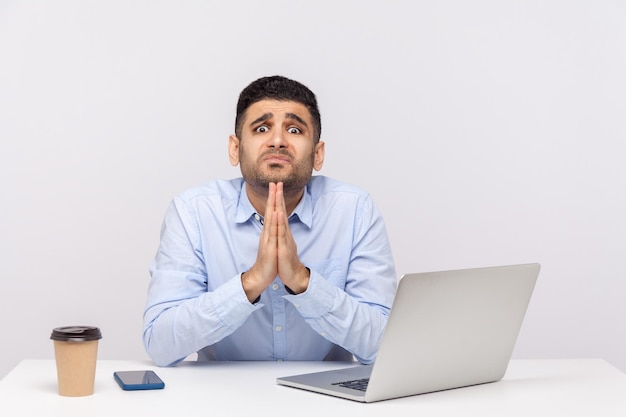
column 276, row 158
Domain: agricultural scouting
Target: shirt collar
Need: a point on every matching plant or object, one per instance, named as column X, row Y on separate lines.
column 303, row 211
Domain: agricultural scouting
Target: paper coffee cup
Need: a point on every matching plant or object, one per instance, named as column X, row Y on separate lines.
column 75, row 352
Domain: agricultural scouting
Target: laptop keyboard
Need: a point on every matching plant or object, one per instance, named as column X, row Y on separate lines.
column 357, row 384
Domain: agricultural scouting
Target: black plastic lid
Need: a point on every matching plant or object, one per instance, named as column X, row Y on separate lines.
column 76, row 333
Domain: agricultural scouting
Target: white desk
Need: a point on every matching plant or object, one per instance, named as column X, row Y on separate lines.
column 585, row 387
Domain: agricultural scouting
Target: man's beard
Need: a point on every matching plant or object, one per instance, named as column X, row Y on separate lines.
column 295, row 180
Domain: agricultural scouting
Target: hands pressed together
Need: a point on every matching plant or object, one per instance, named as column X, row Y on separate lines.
column 277, row 254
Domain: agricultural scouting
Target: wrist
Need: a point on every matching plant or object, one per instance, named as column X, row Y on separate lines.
column 252, row 295
column 303, row 278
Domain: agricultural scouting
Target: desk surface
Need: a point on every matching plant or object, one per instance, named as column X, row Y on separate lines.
column 581, row 387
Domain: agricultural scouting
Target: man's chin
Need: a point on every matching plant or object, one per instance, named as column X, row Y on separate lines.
column 290, row 183
column 276, row 176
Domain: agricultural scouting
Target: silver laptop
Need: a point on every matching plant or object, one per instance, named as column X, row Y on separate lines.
column 446, row 330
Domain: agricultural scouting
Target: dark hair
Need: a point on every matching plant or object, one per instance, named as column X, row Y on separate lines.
column 278, row 88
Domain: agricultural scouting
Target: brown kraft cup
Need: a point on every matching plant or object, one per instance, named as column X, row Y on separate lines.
column 75, row 352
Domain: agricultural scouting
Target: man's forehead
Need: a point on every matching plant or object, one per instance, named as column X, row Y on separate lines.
column 273, row 108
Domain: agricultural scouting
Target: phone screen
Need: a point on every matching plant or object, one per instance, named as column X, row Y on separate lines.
column 138, row 380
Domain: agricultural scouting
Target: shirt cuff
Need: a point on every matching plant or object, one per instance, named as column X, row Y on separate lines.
column 317, row 300
column 231, row 303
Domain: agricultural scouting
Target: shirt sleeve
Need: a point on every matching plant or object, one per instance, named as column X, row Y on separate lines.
column 354, row 317
column 180, row 316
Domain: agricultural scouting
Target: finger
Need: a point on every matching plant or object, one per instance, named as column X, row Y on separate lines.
column 280, row 199
column 269, row 210
column 281, row 226
column 284, row 231
column 270, row 206
column 286, row 246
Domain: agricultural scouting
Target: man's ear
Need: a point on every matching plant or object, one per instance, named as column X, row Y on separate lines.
column 318, row 159
column 233, row 150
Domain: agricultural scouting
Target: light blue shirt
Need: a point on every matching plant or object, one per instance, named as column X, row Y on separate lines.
column 210, row 236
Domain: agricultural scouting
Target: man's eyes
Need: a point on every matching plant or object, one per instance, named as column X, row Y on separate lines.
column 265, row 129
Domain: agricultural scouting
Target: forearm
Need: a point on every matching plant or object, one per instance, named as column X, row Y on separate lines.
column 178, row 327
column 341, row 318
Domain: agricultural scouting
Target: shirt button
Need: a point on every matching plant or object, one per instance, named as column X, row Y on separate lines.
column 275, row 286
column 279, row 328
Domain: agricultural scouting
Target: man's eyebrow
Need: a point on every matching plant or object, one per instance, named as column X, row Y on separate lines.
column 262, row 118
column 297, row 118
column 270, row 115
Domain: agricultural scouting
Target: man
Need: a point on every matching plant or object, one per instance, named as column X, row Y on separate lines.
column 279, row 264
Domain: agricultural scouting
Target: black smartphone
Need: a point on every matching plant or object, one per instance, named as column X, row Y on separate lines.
column 138, row 380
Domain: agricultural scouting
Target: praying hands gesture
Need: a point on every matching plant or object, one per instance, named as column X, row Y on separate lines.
column 277, row 254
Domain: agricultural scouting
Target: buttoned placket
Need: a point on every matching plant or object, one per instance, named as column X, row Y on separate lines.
column 276, row 291
column 279, row 304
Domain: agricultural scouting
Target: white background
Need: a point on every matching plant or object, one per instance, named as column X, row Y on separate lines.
column 488, row 132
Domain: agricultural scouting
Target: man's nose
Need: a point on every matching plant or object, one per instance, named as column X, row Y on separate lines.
column 277, row 140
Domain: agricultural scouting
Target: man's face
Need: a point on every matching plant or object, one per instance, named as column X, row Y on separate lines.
column 277, row 145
